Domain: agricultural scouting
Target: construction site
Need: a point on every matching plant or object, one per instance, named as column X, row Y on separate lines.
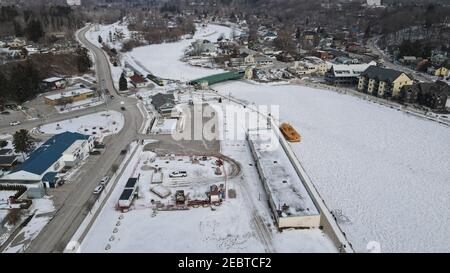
column 216, row 190
column 177, row 183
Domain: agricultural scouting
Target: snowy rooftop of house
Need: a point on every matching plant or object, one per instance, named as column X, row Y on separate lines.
column 314, row 59
column 164, row 125
column 284, row 184
column 69, row 93
column 350, row 70
column 74, row 147
column 52, row 79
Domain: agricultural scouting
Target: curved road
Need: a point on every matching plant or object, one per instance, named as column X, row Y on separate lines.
column 372, row 44
column 76, row 195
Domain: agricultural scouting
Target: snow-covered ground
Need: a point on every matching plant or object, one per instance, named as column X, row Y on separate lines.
column 77, row 105
column 104, row 30
column 163, row 60
column 164, row 126
column 384, row 173
column 4, row 195
column 230, row 228
column 194, row 230
column 99, row 124
column 42, row 209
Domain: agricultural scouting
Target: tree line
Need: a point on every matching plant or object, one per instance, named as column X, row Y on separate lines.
column 36, row 22
column 22, row 80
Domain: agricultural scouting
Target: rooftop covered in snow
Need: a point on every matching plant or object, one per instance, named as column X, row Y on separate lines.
column 282, row 183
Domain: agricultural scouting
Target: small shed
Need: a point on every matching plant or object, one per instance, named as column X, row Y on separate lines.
column 157, row 177
column 161, row 191
column 131, row 183
column 126, row 198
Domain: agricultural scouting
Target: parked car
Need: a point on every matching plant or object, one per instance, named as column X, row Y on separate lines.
column 104, row 180
column 178, row 174
column 99, row 145
column 14, row 123
column 98, row 189
column 122, row 108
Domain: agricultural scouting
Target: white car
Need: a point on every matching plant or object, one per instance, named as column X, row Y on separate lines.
column 98, row 189
column 178, row 174
column 14, row 123
column 104, row 180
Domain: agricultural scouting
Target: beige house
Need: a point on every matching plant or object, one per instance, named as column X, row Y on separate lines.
column 249, row 59
column 442, row 72
column 17, row 43
column 307, row 68
column 248, row 73
column 69, row 96
column 383, row 82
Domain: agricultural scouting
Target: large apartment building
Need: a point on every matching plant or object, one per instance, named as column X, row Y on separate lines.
column 383, row 82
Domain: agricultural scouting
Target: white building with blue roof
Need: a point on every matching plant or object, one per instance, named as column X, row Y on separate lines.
column 41, row 167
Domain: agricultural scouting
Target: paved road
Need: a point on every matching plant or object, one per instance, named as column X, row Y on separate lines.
column 387, row 62
column 193, row 138
column 58, row 232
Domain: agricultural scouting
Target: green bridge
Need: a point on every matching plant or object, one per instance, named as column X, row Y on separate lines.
column 216, row 78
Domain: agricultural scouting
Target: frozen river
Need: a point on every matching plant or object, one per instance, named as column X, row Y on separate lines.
column 387, row 172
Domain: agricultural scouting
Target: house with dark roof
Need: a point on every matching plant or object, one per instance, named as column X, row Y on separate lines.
column 7, row 161
column 138, row 81
column 56, row 153
column 383, row 82
column 430, row 94
column 6, row 151
column 128, row 192
column 54, row 83
column 163, row 103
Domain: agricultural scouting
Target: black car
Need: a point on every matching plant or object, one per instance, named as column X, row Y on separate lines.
column 99, row 145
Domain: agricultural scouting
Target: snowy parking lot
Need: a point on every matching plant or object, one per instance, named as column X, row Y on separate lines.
column 383, row 172
column 99, row 124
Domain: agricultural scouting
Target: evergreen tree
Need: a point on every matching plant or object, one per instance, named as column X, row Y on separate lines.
column 24, row 82
column 84, row 63
column 3, row 86
column 18, row 29
column 100, row 40
column 22, row 141
column 34, row 30
column 123, row 83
